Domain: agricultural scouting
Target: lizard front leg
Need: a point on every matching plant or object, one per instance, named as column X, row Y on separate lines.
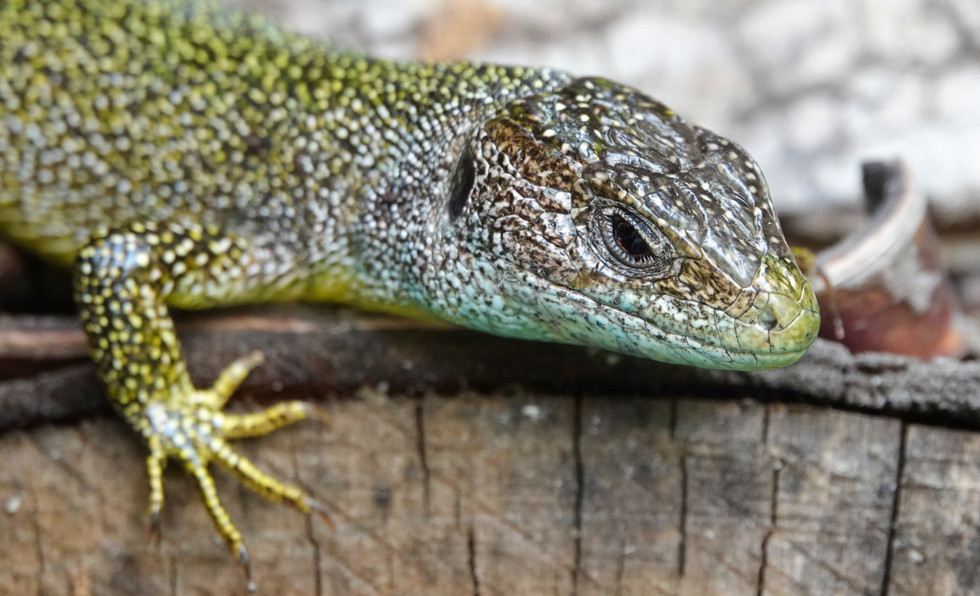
column 123, row 281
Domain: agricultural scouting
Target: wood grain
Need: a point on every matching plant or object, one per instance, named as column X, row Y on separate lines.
column 461, row 464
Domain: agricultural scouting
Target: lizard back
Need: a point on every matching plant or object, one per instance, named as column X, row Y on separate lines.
column 115, row 112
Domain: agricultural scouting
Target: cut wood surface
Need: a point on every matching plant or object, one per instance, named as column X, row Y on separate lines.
column 457, row 463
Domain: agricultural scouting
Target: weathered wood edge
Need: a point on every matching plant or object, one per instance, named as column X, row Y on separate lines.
column 316, row 352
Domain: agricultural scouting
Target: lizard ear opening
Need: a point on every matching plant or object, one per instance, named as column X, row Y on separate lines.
column 461, row 184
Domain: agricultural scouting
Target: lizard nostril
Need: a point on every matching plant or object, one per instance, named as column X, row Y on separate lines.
column 768, row 319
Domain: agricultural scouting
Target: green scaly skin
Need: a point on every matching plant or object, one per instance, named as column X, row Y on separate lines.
column 180, row 155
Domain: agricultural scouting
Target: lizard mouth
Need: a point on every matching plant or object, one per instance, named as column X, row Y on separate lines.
column 774, row 328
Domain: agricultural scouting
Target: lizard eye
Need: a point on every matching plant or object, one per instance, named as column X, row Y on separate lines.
column 629, row 240
column 629, row 243
column 461, row 184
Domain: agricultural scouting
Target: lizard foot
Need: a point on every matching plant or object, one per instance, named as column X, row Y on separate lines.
column 193, row 430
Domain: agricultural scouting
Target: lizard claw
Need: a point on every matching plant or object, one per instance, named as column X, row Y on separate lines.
column 247, row 567
column 321, row 510
column 153, row 531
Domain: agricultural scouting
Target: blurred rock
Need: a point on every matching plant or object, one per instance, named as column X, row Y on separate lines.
column 810, row 88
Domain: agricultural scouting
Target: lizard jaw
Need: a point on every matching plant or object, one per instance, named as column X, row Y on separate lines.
column 775, row 329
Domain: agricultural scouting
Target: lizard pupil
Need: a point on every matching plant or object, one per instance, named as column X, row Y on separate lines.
column 629, row 239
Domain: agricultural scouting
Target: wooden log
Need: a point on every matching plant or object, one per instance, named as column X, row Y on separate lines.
column 458, row 463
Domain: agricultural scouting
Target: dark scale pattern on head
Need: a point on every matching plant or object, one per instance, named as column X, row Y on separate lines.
column 703, row 190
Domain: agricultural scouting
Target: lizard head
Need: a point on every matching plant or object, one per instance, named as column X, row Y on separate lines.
column 595, row 215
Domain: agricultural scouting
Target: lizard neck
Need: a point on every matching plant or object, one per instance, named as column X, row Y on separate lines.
column 383, row 152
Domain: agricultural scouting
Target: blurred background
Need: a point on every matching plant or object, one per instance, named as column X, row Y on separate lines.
column 809, row 88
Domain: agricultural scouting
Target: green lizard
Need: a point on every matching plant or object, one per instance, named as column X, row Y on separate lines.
column 179, row 155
